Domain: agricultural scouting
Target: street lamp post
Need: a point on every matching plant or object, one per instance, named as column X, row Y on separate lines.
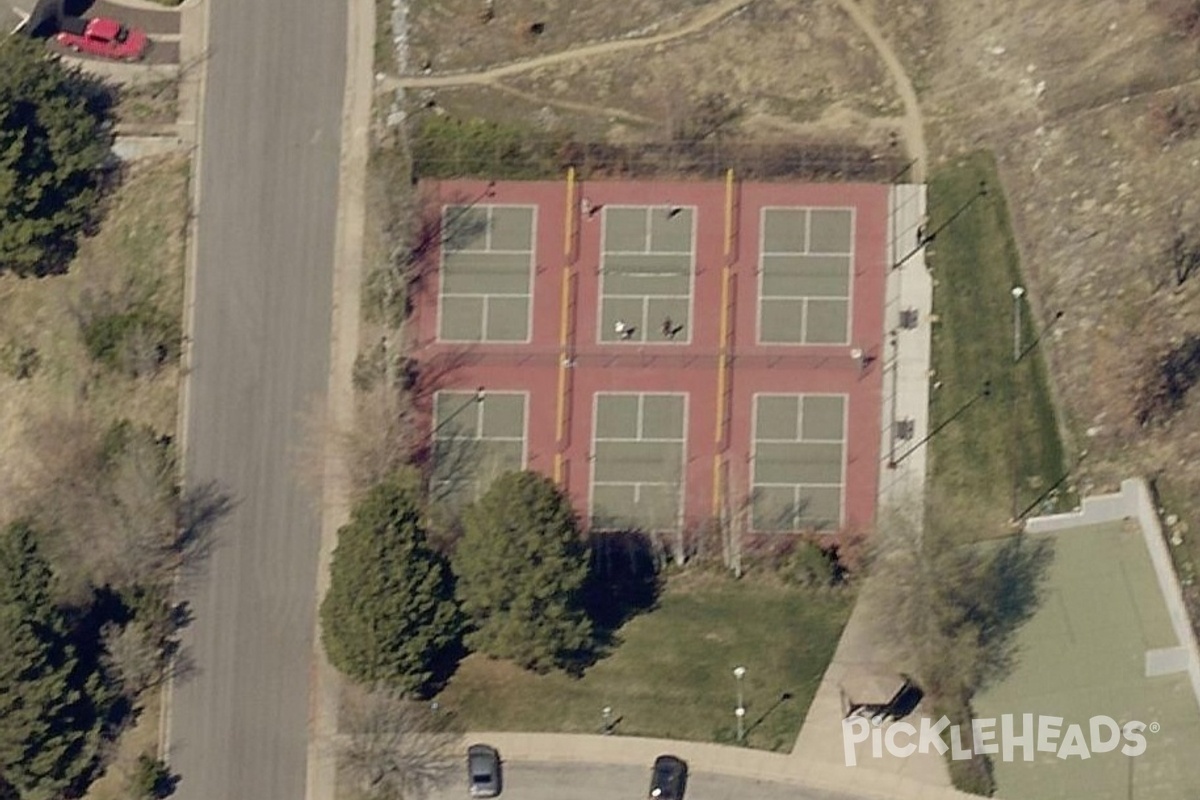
column 1013, row 438
column 448, row 226
column 477, row 399
column 1058, row 315
column 607, row 712
column 740, row 712
column 1017, row 293
column 985, row 391
column 925, row 237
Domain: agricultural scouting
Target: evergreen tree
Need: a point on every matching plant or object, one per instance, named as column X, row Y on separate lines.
column 50, row 733
column 54, row 141
column 389, row 615
column 521, row 566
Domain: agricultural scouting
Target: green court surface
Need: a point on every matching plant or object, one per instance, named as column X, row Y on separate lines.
column 1084, row 654
column 806, row 266
column 486, row 273
column 475, row 441
column 798, row 478
column 646, row 267
column 637, row 461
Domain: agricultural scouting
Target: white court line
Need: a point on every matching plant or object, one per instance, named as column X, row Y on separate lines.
column 486, row 295
column 806, row 297
column 593, row 483
column 664, row 253
column 655, row 296
column 796, row 487
column 806, row 211
column 456, row 251
column 531, row 277
column 792, row 254
column 603, row 295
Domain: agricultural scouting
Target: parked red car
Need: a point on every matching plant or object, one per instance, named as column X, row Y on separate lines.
column 102, row 37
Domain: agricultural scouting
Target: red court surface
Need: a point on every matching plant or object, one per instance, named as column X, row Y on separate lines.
column 565, row 363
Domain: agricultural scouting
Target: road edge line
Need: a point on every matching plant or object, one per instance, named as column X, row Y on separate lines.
column 191, row 115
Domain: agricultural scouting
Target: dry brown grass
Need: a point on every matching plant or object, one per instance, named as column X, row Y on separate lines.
column 452, row 35
column 142, row 236
column 793, row 68
column 139, row 738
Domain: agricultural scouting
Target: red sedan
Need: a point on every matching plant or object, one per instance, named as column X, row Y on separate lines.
column 102, row 37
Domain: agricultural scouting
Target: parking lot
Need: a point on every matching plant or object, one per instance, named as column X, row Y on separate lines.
column 527, row 781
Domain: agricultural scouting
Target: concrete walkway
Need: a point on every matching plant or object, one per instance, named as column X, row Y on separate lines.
column 862, row 668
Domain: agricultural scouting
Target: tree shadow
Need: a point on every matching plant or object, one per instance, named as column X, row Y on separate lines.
column 442, row 668
column 202, row 509
column 624, row 581
column 783, row 698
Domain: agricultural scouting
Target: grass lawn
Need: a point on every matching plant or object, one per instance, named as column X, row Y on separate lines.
column 672, row 674
column 1004, row 452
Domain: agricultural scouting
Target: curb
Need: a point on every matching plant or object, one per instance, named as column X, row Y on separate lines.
column 188, row 127
column 324, row 689
column 148, row 5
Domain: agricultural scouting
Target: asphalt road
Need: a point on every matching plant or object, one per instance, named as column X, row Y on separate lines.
column 268, row 177
column 160, row 53
column 151, row 21
column 598, row 782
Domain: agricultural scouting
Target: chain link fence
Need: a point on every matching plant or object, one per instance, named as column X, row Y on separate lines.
column 450, row 148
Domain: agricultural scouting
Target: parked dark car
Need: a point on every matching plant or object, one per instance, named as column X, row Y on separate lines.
column 483, row 770
column 669, row 778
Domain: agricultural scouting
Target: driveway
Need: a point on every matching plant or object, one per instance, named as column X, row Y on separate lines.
column 532, row 781
column 162, row 25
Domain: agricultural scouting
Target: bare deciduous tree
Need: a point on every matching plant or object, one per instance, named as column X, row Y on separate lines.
column 382, row 438
column 393, row 748
column 1184, row 254
column 953, row 608
column 111, row 502
column 132, row 656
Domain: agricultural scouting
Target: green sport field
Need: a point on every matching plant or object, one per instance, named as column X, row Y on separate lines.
column 1085, row 654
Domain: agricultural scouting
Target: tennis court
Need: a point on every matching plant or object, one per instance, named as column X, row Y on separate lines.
column 638, row 458
column 647, row 263
column 799, row 465
column 805, row 274
column 475, row 440
column 486, row 273
column 1099, row 645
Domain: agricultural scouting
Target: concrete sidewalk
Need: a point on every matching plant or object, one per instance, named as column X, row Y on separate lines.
column 863, row 669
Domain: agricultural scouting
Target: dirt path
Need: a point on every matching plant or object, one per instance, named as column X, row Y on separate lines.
column 699, row 23
column 913, row 128
column 912, row 125
column 582, row 108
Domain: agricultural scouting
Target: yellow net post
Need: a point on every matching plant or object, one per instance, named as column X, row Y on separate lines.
column 569, row 228
column 730, row 222
column 723, row 345
column 564, row 328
